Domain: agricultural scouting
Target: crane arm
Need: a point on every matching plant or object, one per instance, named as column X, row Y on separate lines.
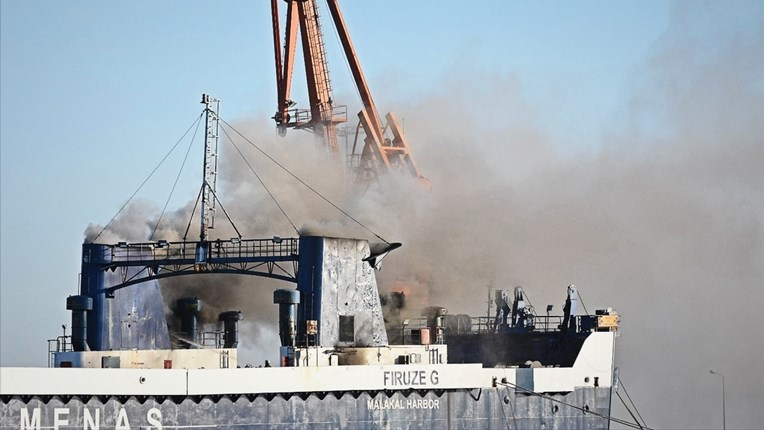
column 355, row 66
column 379, row 153
column 284, row 69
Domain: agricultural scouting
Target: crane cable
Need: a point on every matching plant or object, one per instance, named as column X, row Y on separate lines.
column 583, row 410
column 147, row 179
column 300, row 180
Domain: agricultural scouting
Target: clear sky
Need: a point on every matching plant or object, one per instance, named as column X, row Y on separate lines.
column 94, row 93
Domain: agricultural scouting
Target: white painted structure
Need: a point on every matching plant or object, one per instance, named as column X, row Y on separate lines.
column 593, row 367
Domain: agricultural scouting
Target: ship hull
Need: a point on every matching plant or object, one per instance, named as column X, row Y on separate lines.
column 399, row 396
column 487, row 408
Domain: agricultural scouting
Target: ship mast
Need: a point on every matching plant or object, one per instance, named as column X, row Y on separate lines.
column 210, row 174
column 210, row 165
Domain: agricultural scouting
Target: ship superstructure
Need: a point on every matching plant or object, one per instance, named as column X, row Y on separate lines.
column 338, row 368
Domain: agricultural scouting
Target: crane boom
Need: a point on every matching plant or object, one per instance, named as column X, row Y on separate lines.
column 320, row 118
column 355, row 66
column 385, row 148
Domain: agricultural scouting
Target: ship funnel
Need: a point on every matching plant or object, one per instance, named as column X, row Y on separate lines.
column 188, row 308
column 230, row 328
column 287, row 301
column 79, row 305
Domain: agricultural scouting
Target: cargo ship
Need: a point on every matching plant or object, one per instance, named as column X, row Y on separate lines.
column 348, row 358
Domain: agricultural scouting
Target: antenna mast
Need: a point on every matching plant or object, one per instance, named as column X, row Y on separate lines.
column 210, row 167
column 210, row 172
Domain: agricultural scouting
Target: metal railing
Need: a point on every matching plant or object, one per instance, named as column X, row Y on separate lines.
column 212, row 339
column 162, row 259
column 302, row 117
column 408, row 331
column 164, row 252
column 59, row 344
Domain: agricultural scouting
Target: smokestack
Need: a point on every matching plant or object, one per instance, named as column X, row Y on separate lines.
column 287, row 301
column 79, row 305
column 230, row 328
column 189, row 308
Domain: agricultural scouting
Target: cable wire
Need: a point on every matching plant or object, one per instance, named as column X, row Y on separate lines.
column 502, row 408
column 259, row 179
column 621, row 384
column 629, row 411
column 300, row 180
column 177, row 177
column 191, row 218
column 215, row 196
column 586, row 411
column 582, row 301
column 512, row 408
column 145, row 180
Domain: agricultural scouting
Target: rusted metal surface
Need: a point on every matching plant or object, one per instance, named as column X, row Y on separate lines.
column 385, row 147
column 322, row 119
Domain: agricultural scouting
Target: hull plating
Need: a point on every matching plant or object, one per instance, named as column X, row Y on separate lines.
column 463, row 409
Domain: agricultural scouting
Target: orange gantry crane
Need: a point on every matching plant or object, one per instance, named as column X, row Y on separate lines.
column 385, row 148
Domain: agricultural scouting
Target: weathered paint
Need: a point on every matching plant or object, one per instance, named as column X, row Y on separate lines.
column 465, row 409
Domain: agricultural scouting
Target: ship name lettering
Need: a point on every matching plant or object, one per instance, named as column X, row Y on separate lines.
column 388, row 404
column 27, row 422
column 154, row 418
column 90, row 419
column 409, row 378
column 58, row 420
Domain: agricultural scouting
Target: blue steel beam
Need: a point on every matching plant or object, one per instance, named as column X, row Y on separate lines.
column 163, row 259
column 142, row 262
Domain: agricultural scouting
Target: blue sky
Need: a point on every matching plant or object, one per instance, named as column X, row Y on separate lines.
column 92, row 94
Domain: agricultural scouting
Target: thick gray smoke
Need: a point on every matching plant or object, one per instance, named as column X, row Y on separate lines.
column 661, row 219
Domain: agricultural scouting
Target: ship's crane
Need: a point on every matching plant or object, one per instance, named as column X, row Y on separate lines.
column 385, row 147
